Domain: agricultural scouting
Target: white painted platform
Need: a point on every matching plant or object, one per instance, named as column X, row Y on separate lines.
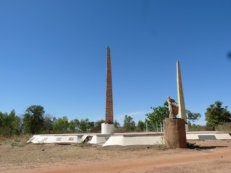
column 68, row 138
column 134, row 140
column 40, row 139
column 199, row 136
column 123, row 139
column 84, row 137
column 99, row 139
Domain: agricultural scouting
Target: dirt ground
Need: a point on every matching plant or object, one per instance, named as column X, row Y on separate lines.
column 213, row 156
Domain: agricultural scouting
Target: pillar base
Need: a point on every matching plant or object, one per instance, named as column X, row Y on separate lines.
column 186, row 128
column 107, row 128
column 174, row 133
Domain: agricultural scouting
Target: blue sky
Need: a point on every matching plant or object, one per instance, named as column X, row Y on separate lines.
column 53, row 53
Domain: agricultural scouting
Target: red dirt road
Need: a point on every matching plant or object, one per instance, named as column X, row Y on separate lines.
column 212, row 156
column 141, row 164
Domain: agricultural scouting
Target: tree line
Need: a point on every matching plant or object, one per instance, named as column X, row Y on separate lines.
column 34, row 121
column 216, row 115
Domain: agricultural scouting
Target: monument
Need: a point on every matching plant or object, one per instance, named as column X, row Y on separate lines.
column 174, row 128
column 108, row 126
column 182, row 112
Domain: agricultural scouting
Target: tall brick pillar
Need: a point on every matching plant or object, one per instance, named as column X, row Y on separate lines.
column 108, row 126
column 109, row 99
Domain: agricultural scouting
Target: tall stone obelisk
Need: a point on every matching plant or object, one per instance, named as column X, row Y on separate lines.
column 109, row 98
column 175, row 128
column 108, row 126
column 181, row 105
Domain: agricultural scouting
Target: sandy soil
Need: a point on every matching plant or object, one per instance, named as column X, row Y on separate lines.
column 17, row 156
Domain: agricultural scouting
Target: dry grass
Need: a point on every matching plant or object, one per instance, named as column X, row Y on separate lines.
column 16, row 154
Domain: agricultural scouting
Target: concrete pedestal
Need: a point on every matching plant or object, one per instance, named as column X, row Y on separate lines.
column 186, row 128
column 107, row 128
column 174, row 133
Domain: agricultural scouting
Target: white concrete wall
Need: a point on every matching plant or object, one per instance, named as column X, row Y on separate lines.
column 134, row 140
column 97, row 139
column 118, row 139
column 194, row 136
column 54, row 139
column 223, row 136
column 107, row 128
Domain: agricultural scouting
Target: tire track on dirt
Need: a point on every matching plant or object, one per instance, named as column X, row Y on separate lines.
column 131, row 165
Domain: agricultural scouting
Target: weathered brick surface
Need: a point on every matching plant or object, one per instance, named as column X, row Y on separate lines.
column 109, row 99
column 174, row 133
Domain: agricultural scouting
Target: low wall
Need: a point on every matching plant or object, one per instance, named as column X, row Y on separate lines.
column 123, row 138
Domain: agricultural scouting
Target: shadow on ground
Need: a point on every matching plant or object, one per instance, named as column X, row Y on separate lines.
column 198, row 147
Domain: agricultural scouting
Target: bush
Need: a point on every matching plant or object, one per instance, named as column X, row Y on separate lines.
column 200, row 128
column 225, row 127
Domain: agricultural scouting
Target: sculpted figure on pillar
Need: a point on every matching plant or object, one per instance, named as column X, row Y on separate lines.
column 173, row 107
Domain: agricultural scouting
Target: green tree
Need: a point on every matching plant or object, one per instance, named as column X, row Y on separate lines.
column 140, row 126
column 216, row 114
column 129, row 124
column 33, row 119
column 10, row 124
column 27, row 119
column 116, row 124
column 61, row 125
column 157, row 116
column 4, row 127
column 17, row 125
column 97, row 126
column 90, row 126
column 47, row 124
column 192, row 116
column 77, row 123
column 84, row 125
column 74, row 125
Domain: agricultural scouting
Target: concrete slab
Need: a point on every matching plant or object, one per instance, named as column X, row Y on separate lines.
column 98, row 139
column 39, row 139
column 84, row 137
column 192, row 136
column 207, row 135
column 134, row 140
column 143, row 138
column 223, row 136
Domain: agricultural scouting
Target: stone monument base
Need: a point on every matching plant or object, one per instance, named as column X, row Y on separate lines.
column 186, row 128
column 174, row 133
column 107, row 128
